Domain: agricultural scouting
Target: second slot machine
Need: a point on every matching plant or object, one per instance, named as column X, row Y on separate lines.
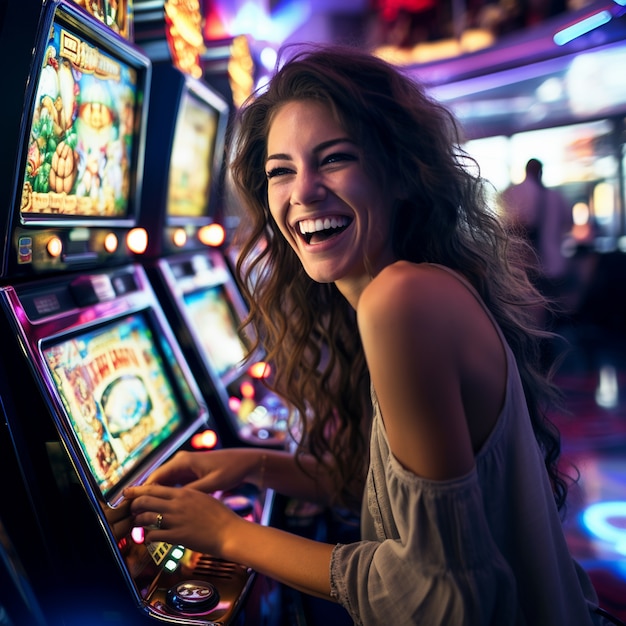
column 190, row 271
column 95, row 390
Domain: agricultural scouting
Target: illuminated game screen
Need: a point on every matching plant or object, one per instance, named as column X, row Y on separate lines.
column 192, row 158
column 120, row 402
column 82, row 132
column 216, row 325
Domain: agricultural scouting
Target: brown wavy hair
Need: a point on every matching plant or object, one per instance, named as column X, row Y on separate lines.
column 308, row 329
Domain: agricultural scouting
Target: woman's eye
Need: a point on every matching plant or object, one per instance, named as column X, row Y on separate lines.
column 337, row 157
column 277, row 171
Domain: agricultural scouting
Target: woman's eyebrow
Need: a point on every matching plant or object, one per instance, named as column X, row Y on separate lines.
column 279, row 155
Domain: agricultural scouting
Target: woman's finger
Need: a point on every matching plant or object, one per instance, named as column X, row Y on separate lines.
column 150, row 490
column 145, row 503
column 151, row 519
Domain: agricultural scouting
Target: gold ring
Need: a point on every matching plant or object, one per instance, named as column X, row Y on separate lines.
column 159, row 520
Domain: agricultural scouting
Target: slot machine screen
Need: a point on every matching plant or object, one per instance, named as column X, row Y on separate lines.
column 216, row 324
column 82, row 146
column 120, row 401
column 210, row 311
column 190, row 180
column 184, row 156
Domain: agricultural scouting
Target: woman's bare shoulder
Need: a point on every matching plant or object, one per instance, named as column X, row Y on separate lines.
column 411, row 291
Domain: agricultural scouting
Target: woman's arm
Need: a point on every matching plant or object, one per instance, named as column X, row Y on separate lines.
column 305, row 478
column 293, row 560
column 221, row 470
column 410, row 320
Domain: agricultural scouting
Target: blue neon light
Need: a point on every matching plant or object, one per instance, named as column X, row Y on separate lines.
column 580, row 28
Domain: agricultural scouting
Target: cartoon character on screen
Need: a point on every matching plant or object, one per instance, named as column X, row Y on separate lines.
column 95, row 129
column 116, row 173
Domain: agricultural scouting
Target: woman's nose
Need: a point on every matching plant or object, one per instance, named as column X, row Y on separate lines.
column 308, row 187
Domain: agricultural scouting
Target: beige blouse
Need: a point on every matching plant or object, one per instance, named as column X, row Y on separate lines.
column 484, row 549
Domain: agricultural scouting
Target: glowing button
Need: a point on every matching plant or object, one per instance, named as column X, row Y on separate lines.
column 110, row 243
column 259, row 370
column 179, row 237
column 54, row 247
column 137, row 240
column 206, row 439
column 177, row 553
column 247, row 389
column 212, row 235
column 170, row 565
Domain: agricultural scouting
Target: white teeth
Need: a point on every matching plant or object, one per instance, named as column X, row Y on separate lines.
column 315, row 226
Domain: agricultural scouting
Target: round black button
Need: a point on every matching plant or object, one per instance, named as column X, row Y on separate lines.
column 193, row 596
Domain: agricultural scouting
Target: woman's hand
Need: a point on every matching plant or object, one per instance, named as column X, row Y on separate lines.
column 209, row 471
column 180, row 515
column 200, row 522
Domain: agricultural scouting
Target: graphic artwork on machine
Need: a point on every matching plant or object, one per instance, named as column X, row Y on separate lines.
column 121, row 404
column 79, row 150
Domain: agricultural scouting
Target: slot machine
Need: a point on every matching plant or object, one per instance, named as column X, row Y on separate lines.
column 95, row 390
column 192, row 275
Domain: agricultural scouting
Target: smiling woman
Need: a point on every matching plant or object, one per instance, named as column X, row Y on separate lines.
column 397, row 315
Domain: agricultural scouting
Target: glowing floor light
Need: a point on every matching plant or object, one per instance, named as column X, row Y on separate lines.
column 600, row 520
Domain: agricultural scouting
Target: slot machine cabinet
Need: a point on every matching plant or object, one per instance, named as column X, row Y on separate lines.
column 206, row 307
column 73, row 148
column 186, row 128
column 183, row 183
column 69, row 285
column 104, row 397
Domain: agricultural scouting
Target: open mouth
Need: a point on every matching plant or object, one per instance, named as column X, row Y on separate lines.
column 321, row 229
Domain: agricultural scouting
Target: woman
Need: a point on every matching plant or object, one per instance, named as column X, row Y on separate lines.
column 389, row 299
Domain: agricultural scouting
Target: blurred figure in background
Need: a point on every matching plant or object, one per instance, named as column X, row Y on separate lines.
column 544, row 217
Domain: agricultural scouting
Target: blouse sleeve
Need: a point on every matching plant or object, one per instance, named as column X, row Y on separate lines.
column 441, row 567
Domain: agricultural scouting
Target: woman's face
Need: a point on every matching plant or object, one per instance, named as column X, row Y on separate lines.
column 333, row 214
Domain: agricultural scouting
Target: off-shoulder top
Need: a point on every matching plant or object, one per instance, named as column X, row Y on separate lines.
column 487, row 548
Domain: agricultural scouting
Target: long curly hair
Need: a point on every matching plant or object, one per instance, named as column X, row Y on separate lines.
column 444, row 216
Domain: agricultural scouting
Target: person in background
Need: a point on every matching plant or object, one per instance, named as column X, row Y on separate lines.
column 544, row 218
column 396, row 312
